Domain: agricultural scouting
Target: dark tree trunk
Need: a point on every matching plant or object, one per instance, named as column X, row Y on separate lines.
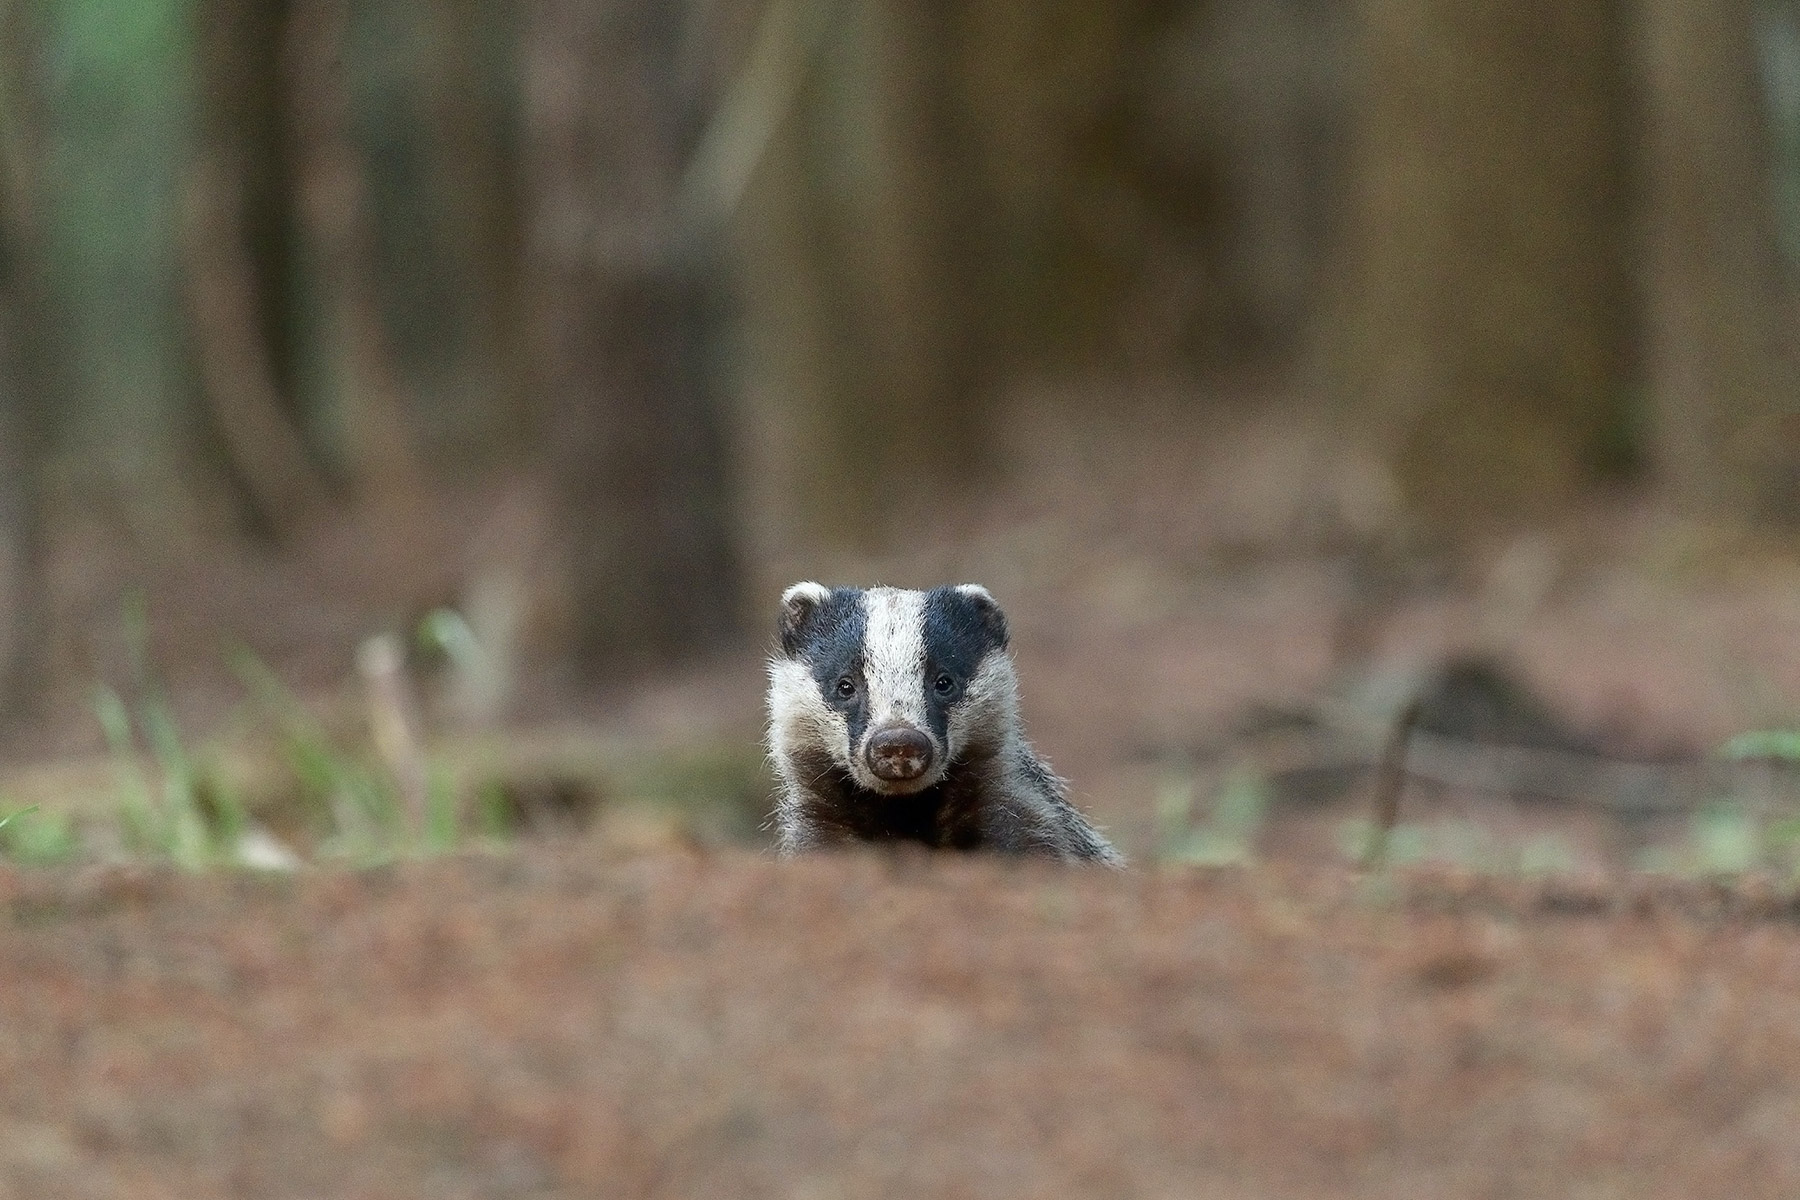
column 238, row 238
column 336, row 216
column 868, row 342
column 22, row 612
column 621, row 330
column 472, row 175
column 1487, row 313
column 23, row 364
column 1721, row 390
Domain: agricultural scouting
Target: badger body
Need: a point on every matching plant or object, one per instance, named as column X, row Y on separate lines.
column 894, row 717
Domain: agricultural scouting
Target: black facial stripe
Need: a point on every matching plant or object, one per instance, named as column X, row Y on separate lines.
column 937, row 714
column 833, row 648
column 856, row 714
column 832, row 641
column 959, row 632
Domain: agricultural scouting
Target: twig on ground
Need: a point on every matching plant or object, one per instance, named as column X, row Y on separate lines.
column 1390, row 781
column 394, row 723
column 1344, row 739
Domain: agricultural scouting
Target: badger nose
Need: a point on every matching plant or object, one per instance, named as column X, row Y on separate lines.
column 899, row 754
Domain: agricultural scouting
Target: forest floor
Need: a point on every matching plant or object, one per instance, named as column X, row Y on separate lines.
column 1552, row 991
column 554, row 1022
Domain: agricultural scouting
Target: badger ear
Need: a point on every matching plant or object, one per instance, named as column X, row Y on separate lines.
column 799, row 604
column 993, row 621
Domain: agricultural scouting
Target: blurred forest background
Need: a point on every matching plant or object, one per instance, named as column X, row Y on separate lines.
column 596, row 323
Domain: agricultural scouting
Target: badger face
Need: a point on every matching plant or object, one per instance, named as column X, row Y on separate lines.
column 893, row 685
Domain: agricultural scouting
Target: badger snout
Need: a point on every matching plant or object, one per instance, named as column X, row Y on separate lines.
column 899, row 755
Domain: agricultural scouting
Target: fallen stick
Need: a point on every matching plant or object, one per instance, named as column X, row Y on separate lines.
column 1390, row 781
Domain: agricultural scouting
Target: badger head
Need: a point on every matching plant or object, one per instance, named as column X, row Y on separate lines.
column 895, row 686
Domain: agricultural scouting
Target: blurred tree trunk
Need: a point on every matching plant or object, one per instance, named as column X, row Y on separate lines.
column 22, row 612
column 910, row 421
column 1240, row 124
column 472, row 177
column 115, row 135
column 621, row 325
column 1488, row 299
column 1721, row 377
column 22, row 609
column 22, row 413
column 337, row 221
column 238, row 237
column 867, row 330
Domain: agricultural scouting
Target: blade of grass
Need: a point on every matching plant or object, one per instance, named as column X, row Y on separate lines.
column 191, row 843
column 441, row 826
column 365, row 809
column 137, row 805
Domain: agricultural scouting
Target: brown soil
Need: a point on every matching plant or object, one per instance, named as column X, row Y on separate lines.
column 596, row 1020
column 551, row 1022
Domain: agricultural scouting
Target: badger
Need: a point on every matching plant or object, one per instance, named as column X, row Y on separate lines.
column 894, row 717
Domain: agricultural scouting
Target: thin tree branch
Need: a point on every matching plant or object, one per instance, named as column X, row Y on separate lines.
column 755, row 105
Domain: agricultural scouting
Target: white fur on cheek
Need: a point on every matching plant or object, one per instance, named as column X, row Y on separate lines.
column 989, row 706
column 894, row 658
column 799, row 716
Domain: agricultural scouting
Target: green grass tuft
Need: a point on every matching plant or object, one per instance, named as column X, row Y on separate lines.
column 1228, row 836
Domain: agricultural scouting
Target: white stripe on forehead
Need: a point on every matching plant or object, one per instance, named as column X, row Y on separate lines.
column 894, row 656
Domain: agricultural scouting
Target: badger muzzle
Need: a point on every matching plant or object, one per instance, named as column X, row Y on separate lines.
column 899, row 755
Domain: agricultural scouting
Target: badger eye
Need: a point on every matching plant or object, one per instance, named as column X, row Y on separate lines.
column 944, row 685
column 846, row 688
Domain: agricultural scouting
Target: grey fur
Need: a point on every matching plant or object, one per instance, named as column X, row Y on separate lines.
column 987, row 789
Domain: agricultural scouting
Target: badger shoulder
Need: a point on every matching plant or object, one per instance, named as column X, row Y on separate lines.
column 1065, row 830
column 893, row 717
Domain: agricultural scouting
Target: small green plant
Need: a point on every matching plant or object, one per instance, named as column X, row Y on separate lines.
column 1402, row 845
column 35, row 837
column 170, row 811
column 1733, row 836
column 1781, row 745
column 1228, row 837
column 148, row 826
column 1546, row 854
column 362, row 805
column 1464, row 844
column 1726, row 839
column 169, row 807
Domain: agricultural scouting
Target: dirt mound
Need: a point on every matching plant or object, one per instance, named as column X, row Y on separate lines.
column 545, row 1024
